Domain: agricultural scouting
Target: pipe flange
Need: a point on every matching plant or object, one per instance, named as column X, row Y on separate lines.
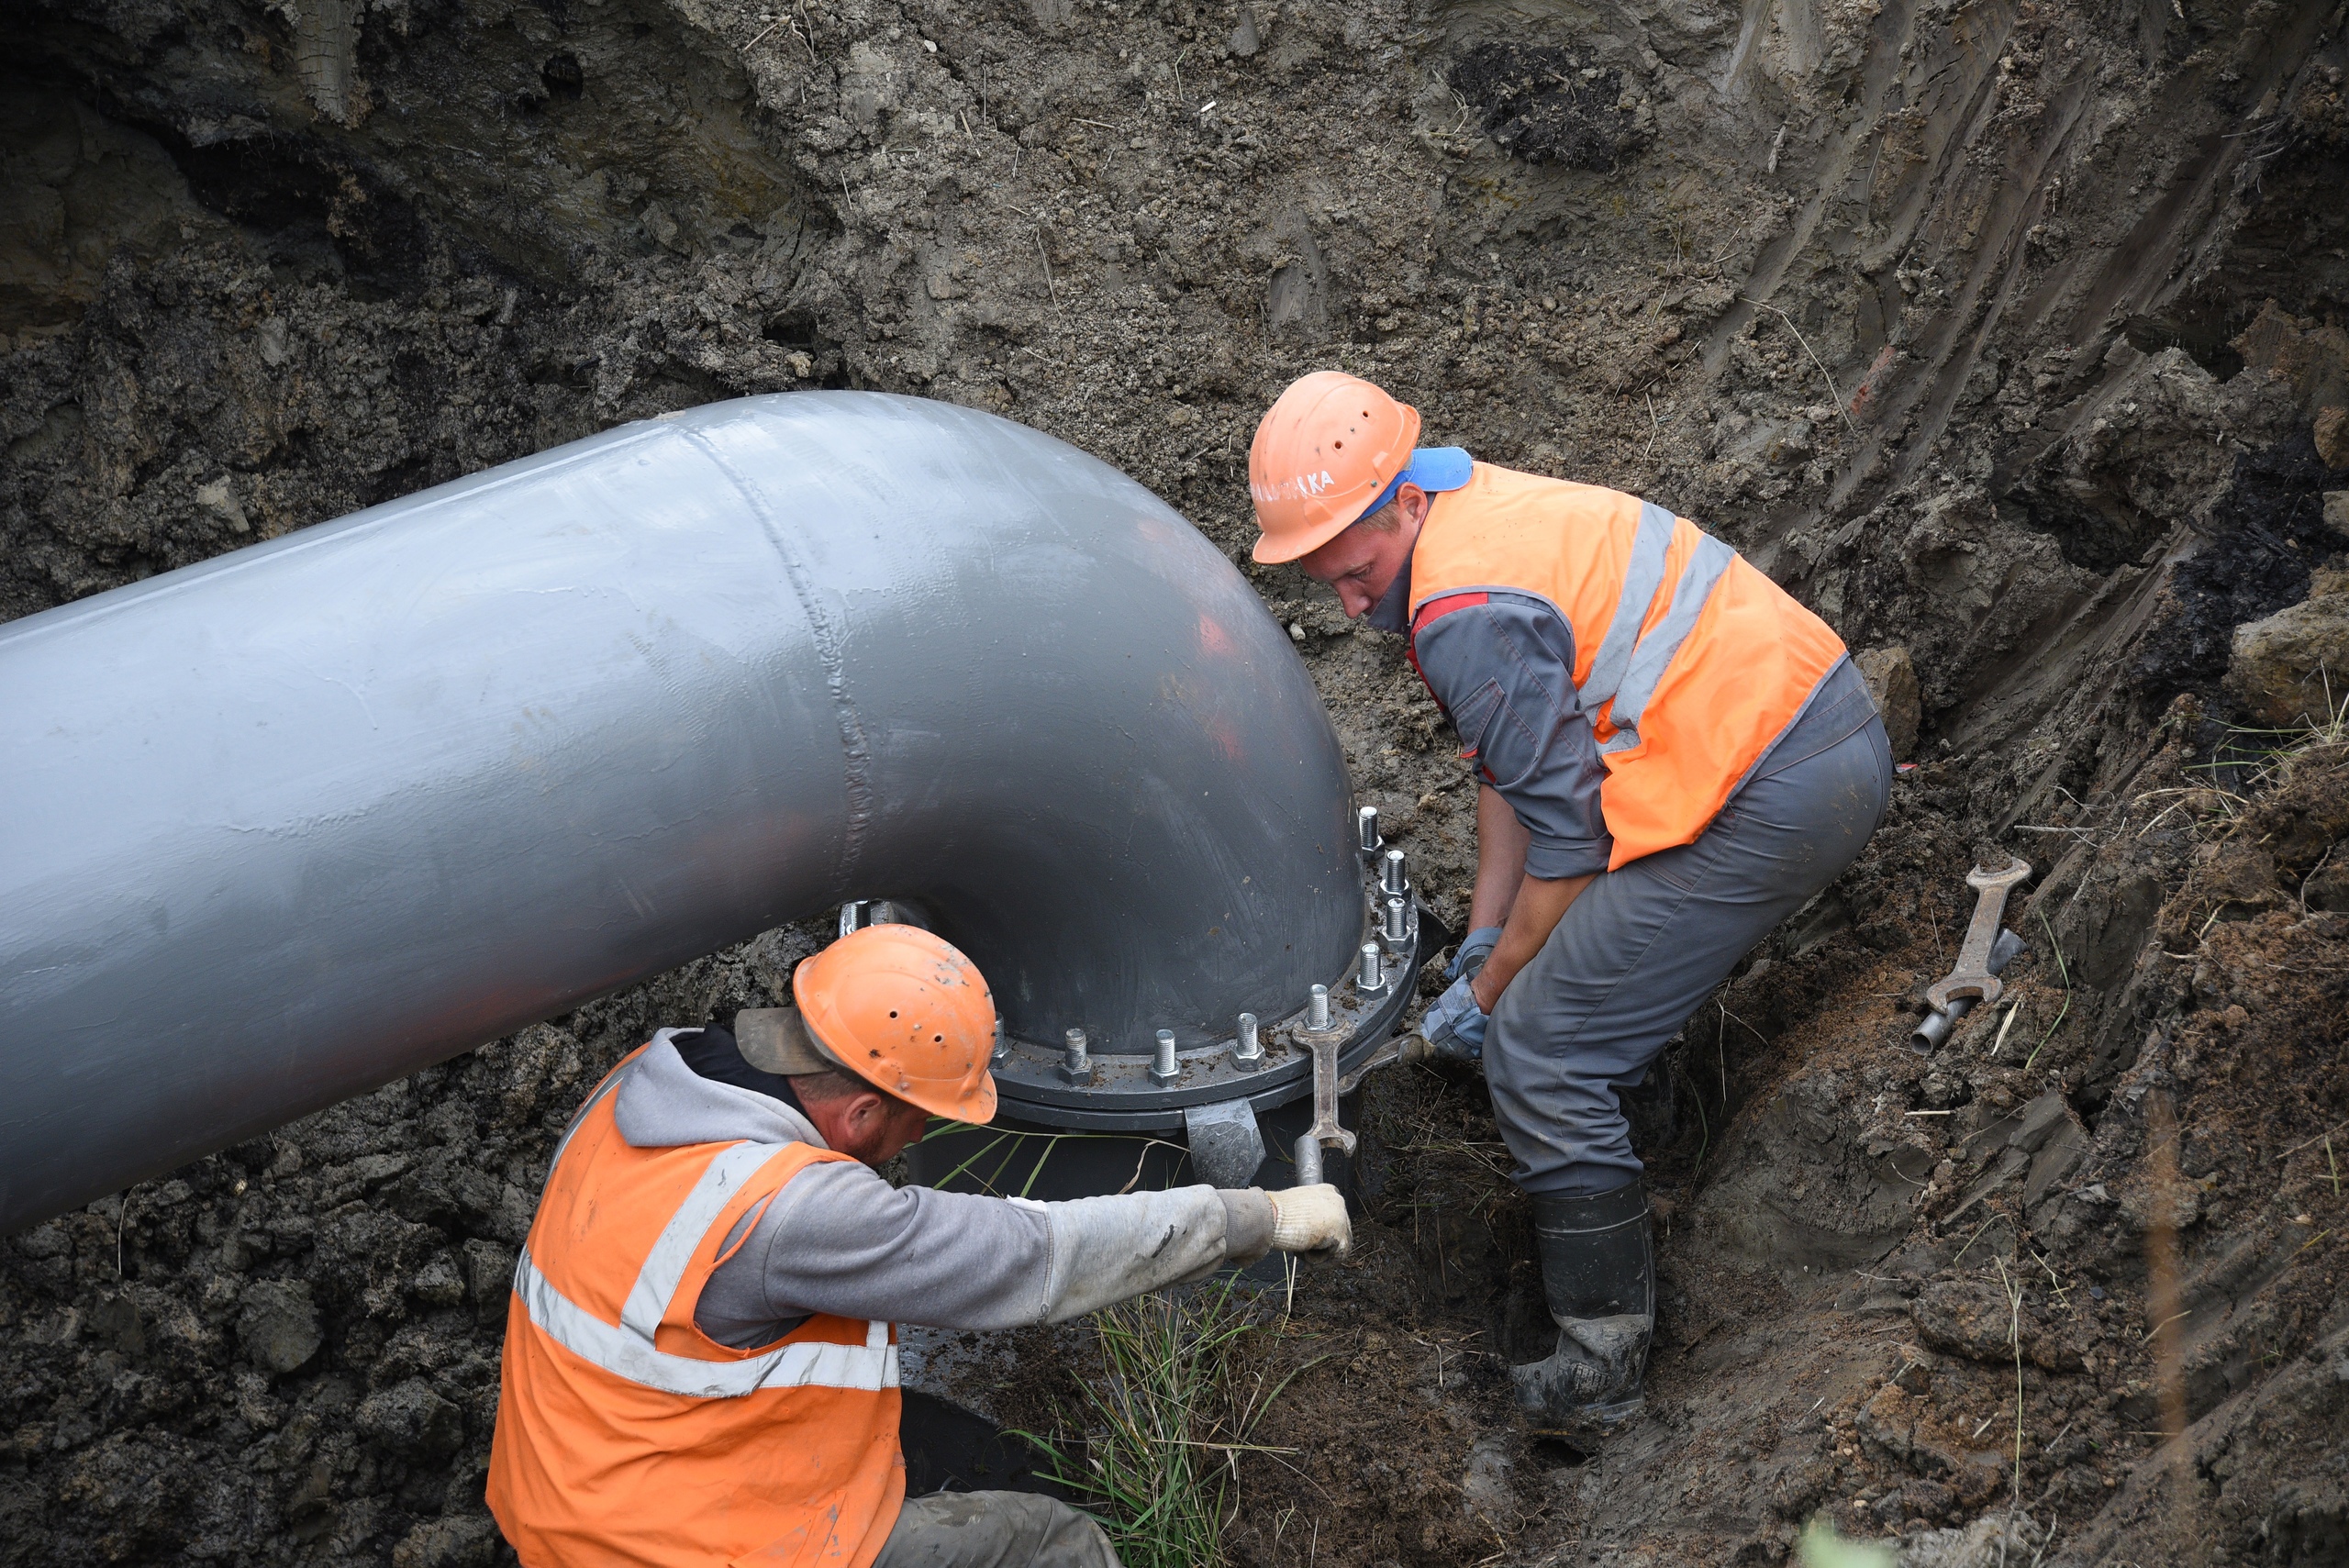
column 1146, row 1087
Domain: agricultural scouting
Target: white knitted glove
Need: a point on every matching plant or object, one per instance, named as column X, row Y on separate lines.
column 1308, row 1220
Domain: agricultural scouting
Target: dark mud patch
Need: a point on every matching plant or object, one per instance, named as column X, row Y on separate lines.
column 1547, row 105
column 2265, row 535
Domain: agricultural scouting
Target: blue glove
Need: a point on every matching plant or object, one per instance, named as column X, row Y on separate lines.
column 1474, row 949
column 1454, row 1025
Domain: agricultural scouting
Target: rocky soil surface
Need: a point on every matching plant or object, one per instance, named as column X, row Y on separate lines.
column 2013, row 337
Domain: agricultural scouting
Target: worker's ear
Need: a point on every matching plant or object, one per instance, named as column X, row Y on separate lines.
column 1413, row 503
column 868, row 1113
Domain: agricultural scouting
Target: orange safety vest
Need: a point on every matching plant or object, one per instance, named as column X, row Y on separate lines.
column 628, row 1437
column 1689, row 660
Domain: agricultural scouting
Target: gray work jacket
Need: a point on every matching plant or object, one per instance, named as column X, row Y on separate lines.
column 839, row 1239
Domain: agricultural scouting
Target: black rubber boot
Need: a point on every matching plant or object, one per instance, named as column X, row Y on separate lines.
column 1598, row 1272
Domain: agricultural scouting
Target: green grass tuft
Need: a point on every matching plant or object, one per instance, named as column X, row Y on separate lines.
column 1156, row 1448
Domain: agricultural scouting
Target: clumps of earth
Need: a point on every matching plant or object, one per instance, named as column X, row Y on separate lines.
column 1548, row 105
column 2015, row 342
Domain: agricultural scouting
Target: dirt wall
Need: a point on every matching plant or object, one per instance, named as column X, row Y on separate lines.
column 2004, row 334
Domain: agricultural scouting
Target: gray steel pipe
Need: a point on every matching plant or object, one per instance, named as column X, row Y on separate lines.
column 286, row 825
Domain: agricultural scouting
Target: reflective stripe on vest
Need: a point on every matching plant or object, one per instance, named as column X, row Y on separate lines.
column 1628, row 665
column 1689, row 663
column 1654, row 651
column 626, row 1350
column 1641, row 578
column 626, row 1436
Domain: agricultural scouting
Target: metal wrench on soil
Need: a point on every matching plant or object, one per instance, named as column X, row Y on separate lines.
column 1970, row 978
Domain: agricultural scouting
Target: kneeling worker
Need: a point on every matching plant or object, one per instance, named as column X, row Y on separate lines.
column 700, row 1363
column 1672, row 756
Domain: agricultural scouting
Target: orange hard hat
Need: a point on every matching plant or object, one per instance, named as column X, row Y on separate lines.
column 907, row 1013
column 1323, row 453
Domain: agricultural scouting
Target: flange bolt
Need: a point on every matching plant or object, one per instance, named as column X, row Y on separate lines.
column 1316, row 1008
column 1366, row 827
column 1002, row 1046
column 1366, row 978
column 1076, row 1061
column 1397, row 928
column 1164, row 1068
column 1392, row 878
column 1248, row 1055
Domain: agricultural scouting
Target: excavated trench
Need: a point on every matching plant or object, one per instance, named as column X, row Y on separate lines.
column 2009, row 336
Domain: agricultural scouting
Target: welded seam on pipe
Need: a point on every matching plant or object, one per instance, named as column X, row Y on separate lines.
column 856, row 752
column 320, row 974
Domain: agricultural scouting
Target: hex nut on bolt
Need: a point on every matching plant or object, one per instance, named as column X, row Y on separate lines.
column 1164, row 1068
column 1248, row 1053
column 1076, row 1061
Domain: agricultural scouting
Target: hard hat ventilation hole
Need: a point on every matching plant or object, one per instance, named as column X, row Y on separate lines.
column 893, row 1012
column 938, row 1039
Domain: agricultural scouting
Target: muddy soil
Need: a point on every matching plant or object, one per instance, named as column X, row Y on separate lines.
column 2008, row 336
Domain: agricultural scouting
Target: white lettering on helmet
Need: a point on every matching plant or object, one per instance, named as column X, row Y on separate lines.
column 1295, row 488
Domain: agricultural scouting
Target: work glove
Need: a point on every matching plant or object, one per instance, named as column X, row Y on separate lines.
column 1474, row 949
column 1454, row 1025
column 1308, row 1219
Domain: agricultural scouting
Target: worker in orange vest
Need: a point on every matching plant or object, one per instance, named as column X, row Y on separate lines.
column 1672, row 756
column 701, row 1359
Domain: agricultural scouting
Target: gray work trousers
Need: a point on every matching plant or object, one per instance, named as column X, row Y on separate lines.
column 993, row 1529
column 1643, row 946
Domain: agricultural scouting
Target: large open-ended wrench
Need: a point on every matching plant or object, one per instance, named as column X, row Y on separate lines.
column 1971, row 979
column 1325, row 1132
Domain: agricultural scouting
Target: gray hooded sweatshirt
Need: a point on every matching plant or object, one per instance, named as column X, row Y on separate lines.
column 840, row 1239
